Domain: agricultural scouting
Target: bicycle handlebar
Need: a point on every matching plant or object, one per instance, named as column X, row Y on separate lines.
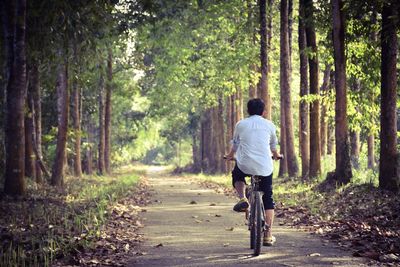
column 234, row 159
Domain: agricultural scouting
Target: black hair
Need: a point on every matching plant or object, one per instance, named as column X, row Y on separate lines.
column 255, row 106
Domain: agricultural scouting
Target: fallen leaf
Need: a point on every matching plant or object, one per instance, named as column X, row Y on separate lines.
column 314, row 255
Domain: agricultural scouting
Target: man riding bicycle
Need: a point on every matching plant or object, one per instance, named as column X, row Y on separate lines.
column 254, row 140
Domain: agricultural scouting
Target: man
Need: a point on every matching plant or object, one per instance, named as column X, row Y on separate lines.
column 254, row 140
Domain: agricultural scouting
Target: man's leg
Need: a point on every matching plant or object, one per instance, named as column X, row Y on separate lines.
column 238, row 182
column 240, row 187
column 269, row 217
column 269, row 205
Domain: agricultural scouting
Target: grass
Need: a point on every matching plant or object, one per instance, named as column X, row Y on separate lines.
column 295, row 192
column 48, row 224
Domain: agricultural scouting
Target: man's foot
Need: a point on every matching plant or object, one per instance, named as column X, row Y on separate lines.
column 269, row 241
column 242, row 205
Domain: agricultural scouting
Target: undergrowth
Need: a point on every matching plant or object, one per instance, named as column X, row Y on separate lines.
column 48, row 223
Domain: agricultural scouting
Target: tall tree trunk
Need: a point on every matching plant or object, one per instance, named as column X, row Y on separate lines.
column 270, row 14
column 285, row 91
column 253, row 66
column 37, row 116
column 371, row 152
column 355, row 133
column 304, row 136
column 229, row 129
column 388, row 166
column 220, row 136
column 100, row 157
column 371, row 134
column 57, row 178
column 89, row 149
column 331, row 129
column 343, row 171
column 14, row 32
column 107, row 115
column 206, row 134
column 315, row 149
column 324, row 120
column 76, row 120
column 30, row 158
column 283, row 168
column 263, row 85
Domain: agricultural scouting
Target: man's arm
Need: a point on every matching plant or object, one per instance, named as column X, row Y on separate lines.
column 234, row 144
column 273, row 142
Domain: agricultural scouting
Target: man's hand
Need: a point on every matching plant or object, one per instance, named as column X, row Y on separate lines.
column 276, row 155
column 230, row 155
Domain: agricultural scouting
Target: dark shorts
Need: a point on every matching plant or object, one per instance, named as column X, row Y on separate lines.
column 265, row 185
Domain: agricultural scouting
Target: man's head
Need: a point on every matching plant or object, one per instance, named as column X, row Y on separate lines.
column 255, row 106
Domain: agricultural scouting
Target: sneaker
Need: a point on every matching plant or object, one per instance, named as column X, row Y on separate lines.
column 242, row 205
column 269, row 241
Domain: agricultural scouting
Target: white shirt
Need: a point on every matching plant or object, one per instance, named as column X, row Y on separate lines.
column 253, row 140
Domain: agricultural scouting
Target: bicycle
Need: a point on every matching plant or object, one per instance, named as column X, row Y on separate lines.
column 256, row 215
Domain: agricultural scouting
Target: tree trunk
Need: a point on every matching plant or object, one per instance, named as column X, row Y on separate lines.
column 283, row 168
column 355, row 149
column 290, row 155
column 331, row 129
column 388, row 168
column 37, row 115
column 355, row 132
column 304, row 138
column 324, row 119
column 270, row 14
column 219, row 136
column 100, row 157
column 343, row 171
column 371, row 151
column 57, row 178
column 315, row 149
column 107, row 115
column 76, row 120
column 30, row 158
column 89, row 149
column 263, row 85
column 14, row 32
column 206, row 141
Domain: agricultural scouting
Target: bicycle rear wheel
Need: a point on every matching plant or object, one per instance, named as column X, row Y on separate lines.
column 251, row 223
column 257, row 224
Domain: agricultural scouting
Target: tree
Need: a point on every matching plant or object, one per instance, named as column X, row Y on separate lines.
column 107, row 114
column 76, row 115
column 101, row 145
column 315, row 149
column 30, row 158
column 263, row 85
column 324, row 120
column 58, row 172
column 14, row 35
column 343, row 172
column 388, row 166
column 286, row 107
column 304, row 141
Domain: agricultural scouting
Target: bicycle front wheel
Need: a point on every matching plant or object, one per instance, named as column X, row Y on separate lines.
column 257, row 224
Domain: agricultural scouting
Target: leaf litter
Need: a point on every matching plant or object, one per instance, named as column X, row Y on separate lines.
column 362, row 218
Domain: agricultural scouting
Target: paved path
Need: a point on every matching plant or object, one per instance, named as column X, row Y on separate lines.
column 208, row 233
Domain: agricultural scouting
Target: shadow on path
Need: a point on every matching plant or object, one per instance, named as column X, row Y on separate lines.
column 208, row 233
